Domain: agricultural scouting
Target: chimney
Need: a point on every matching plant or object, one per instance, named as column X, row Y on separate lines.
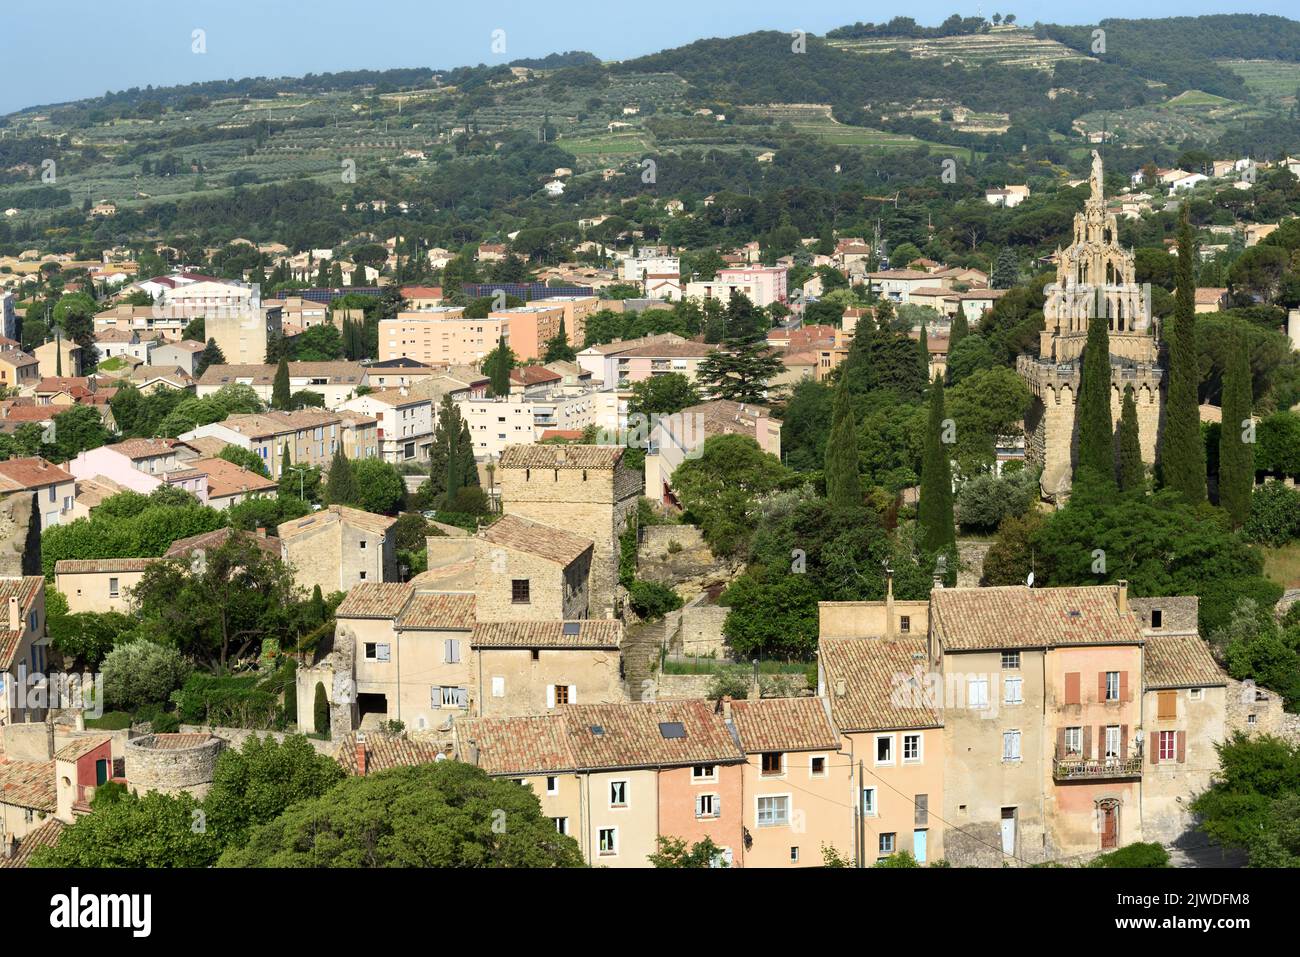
column 49, row 736
column 841, row 688
column 1121, row 597
column 261, row 531
column 79, row 719
column 890, row 630
column 755, row 689
column 10, row 849
column 361, row 755
column 15, row 614
column 726, row 707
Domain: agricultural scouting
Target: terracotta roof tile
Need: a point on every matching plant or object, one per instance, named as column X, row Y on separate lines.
column 82, row 566
column 25, row 590
column 871, row 683
column 1013, row 616
column 30, row 473
column 649, row 734
column 368, row 521
column 519, row 745
column 28, row 784
column 1180, row 661
column 375, row 600
column 207, row 541
column 554, row 545
column 227, row 478
column 784, row 724
column 385, row 751
column 595, row 633
column 81, row 747
column 47, row 835
column 561, row 456
column 438, row 611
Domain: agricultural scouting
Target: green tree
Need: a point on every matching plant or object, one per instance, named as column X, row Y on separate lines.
column 673, row 852
column 720, row 489
column 662, row 395
column 280, row 398
column 1096, row 435
column 341, row 486
column 380, row 486
column 934, row 514
column 1132, row 473
column 1236, row 437
column 958, row 331
column 136, row 831
column 444, row 814
column 1183, row 454
column 558, row 349
column 843, row 481
column 739, row 372
column 210, row 356
column 321, row 710
column 1006, row 270
column 496, row 366
column 140, row 673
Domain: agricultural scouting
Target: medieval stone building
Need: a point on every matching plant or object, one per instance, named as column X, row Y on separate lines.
column 1094, row 276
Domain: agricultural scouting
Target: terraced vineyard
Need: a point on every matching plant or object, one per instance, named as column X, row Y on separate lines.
column 1194, row 114
column 1009, row 46
column 1272, row 80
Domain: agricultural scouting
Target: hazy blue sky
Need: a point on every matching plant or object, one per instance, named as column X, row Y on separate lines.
column 60, row 50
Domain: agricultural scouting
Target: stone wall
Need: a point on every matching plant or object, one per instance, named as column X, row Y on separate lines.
column 20, row 536
column 172, row 770
column 674, row 554
column 235, row 737
column 697, row 630
column 1246, row 701
column 970, row 562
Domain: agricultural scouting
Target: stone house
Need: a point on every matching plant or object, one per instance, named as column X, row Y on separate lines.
column 339, row 547
column 99, row 584
column 532, row 667
column 526, row 570
column 23, row 642
column 55, row 489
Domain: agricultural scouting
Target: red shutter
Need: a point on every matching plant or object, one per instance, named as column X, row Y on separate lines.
column 1087, row 742
column 1072, row 687
column 1101, row 742
column 1155, row 747
column 1060, row 743
column 1123, row 686
column 1182, row 746
column 1123, row 742
column 1101, row 686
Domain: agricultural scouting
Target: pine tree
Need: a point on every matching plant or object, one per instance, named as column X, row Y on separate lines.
column 210, row 356
column 884, row 314
column 843, row 481
column 934, row 514
column 321, row 710
column 1183, row 454
column 341, row 487
column 1096, row 432
column 558, row 348
column 359, row 275
column 280, row 397
column 1236, row 450
column 1006, row 270
column 958, row 331
column 1132, row 473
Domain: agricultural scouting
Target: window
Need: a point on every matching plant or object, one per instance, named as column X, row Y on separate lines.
column 519, row 591
column 608, row 840
column 1074, row 741
column 376, row 651
column 1112, row 686
column 1168, row 745
column 884, row 749
column 498, row 686
column 1167, row 705
column 1252, row 719
column 1196, row 694
column 1157, row 618
column 112, row 588
column 794, row 855
column 817, row 766
column 772, row 763
column 618, row 794
column 887, row 843
column 561, row 825
column 704, row 772
column 905, row 624
column 54, row 492
column 977, row 692
column 1112, row 742
column 552, row 785
column 1010, row 660
column 362, row 543
column 868, row 802
column 774, row 810
column 1010, row 745
column 1011, row 691
column 561, row 694
column 452, row 698
column 706, row 805
column 451, row 651
column 911, row 748
column 362, row 576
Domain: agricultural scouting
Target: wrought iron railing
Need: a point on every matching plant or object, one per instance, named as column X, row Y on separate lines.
column 1082, row 769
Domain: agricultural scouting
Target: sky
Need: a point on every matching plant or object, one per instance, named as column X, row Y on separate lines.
column 70, row 49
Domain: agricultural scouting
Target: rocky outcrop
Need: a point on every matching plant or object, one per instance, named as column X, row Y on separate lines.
column 20, row 536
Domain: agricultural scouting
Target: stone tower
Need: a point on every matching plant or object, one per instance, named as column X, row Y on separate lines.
column 1094, row 276
column 583, row 489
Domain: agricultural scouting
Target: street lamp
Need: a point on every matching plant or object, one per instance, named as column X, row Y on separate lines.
column 302, row 473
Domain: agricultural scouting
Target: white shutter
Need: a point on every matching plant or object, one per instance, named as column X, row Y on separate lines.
column 717, row 805
column 550, row 696
column 573, row 694
column 699, row 805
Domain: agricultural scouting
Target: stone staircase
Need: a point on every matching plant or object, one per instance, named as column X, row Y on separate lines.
column 641, row 643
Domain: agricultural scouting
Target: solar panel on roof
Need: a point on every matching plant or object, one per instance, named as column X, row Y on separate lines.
column 597, row 729
column 672, row 729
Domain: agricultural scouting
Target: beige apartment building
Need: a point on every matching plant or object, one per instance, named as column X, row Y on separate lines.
column 532, row 667
column 576, row 310
column 312, row 436
column 241, row 333
column 59, row 357
column 99, row 584
column 339, row 547
column 522, row 418
column 335, row 382
column 529, row 328
column 438, row 336
column 18, row 370
column 404, row 423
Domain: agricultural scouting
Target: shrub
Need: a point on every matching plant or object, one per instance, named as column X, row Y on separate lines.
column 110, row 721
column 237, row 700
column 1274, row 514
column 1134, row 855
column 140, row 673
column 653, row 600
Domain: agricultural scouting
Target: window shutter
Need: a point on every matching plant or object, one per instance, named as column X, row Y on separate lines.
column 1123, row 686
column 922, row 809
column 717, row 805
column 1060, row 743
column 699, row 805
column 1123, row 738
column 573, row 694
column 550, row 696
column 1101, row 686
column 1072, row 687
column 1101, row 742
column 1087, row 742
column 1155, row 747
column 1182, row 746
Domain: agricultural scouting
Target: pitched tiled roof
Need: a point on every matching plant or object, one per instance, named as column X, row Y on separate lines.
column 227, row 478
column 649, row 734
column 1013, row 616
column 207, row 445
column 179, row 741
column 1180, row 661
column 520, row 745
column 367, row 521
column 596, row 633
column 375, row 600
column 784, row 724
column 146, row 448
column 542, row 540
column 340, row 373
column 680, row 350
column 47, row 835
column 533, row 375
column 25, row 590
column 561, row 456
column 79, row 566
column 30, row 473
column 207, row 541
column 385, row 751
column 871, row 684
column 91, row 492
column 439, row 611
column 80, row 747
column 28, row 784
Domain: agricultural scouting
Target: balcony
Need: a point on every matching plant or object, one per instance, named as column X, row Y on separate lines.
column 1096, row 769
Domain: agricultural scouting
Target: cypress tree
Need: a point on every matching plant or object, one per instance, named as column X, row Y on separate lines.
column 468, row 464
column 1183, row 453
column 317, row 607
column 1096, row 433
column 1236, row 450
column 285, row 463
column 923, row 353
column 1132, row 474
column 843, row 482
column 321, row 710
column 958, row 331
column 497, row 365
column 280, row 398
column 934, row 514
column 341, row 487
column 291, row 692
